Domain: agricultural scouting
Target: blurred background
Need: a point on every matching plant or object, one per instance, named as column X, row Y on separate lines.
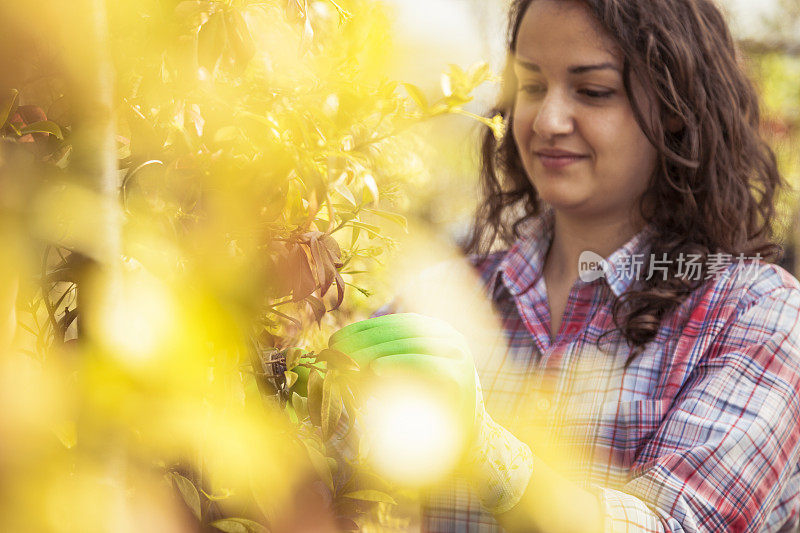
column 432, row 34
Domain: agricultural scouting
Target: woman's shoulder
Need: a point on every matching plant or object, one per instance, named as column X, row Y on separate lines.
column 739, row 288
column 749, row 281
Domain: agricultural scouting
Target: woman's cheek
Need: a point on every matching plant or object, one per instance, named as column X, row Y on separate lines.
column 521, row 130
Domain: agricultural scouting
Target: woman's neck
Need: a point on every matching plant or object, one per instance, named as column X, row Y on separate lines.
column 572, row 236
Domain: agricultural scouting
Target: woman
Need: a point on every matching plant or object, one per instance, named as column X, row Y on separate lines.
column 634, row 136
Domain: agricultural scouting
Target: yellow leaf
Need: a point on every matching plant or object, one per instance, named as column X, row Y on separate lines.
column 293, row 355
column 300, row 405
column 67, row 434
column 372, row 187
column 315, row 397
column 394, row 217
column 188, row 492
column 291, row 378
column 447, row 84
column 320, row 464
column 331, row 405
column 417, row 95
column 338, row 360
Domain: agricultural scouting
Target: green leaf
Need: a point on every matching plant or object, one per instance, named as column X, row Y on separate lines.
column 394, row 217
column 43, row 126
column 331, row 405
column 8, row 106
column 188, row 493
column 338, row 360
column 239, row 525
column 417, row 95
column 370, row 496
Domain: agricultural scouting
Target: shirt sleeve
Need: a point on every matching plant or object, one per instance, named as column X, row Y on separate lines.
column 723, row 454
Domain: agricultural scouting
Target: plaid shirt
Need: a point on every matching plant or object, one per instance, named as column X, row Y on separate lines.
column 700, row 433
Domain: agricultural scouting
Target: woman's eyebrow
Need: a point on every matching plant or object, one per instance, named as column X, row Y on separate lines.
column 577, row 69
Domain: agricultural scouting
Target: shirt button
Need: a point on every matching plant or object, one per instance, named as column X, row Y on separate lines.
column 543, row 404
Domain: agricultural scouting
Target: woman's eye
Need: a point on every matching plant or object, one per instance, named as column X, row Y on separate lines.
column 594, row 93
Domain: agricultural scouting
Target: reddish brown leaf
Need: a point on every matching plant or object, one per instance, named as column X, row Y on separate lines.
column 317, row 306
column 303, row 283
column 324, row 266
column 333, row 249
column 339, row 291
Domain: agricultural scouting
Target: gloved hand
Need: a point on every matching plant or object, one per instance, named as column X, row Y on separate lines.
column 430, row 351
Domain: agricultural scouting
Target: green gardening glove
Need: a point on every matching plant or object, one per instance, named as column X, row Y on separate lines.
column 412, row 346
column 432, row 352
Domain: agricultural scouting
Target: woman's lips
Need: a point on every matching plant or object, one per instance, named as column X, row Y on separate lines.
column 559, row 161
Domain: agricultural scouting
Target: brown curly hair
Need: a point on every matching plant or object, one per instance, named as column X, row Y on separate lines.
column 714, row 186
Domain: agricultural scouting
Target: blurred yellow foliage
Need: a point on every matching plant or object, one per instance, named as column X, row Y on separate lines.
column 191, row 185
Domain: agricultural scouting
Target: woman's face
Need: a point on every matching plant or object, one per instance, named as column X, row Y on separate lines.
column 574, row 126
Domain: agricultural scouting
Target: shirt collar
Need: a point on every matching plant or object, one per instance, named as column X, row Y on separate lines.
column 523, row 264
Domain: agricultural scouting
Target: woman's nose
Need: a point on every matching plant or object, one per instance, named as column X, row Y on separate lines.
column 554, row 117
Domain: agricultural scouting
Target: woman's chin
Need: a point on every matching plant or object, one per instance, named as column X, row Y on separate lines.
column 571, row 203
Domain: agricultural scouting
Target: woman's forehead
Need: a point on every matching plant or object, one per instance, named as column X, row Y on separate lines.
column 564, row 33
